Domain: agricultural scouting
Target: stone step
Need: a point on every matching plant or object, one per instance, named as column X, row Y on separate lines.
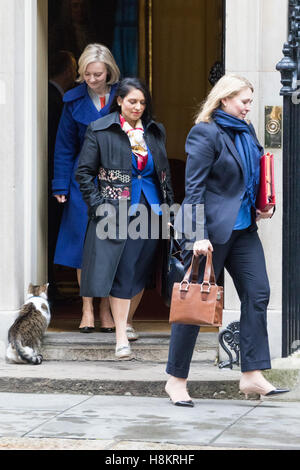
column 136, row 378
column 85, row 364
column 151, row 346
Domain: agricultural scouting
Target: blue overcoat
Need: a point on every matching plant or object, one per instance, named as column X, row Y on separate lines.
column 78, row 112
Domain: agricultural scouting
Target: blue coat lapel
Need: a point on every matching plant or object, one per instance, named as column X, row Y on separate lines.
column 84, row 110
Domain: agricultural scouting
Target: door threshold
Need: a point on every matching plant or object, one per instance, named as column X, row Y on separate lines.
column 155, row 326
column 60, row 325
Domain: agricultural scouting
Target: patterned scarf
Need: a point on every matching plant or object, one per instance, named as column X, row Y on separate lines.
column 137, row 141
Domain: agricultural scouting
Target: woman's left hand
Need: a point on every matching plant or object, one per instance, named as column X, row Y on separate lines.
column 264, row 214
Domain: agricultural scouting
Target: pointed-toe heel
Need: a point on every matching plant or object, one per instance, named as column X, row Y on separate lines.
column 277, row 391
column 258, row 390
column 187, row 403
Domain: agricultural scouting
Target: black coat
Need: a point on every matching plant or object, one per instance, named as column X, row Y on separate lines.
column 107, row 153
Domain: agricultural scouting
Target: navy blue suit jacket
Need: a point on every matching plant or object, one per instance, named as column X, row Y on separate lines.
column 214, row 178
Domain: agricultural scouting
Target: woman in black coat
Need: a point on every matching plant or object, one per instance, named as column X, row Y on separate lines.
column 126, row 151
column 222, row 175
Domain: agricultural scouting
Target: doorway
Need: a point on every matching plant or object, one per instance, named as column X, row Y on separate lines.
column 177, row 46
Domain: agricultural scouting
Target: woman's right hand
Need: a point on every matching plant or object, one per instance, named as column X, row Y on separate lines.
column 202, row 247
column 61, row 198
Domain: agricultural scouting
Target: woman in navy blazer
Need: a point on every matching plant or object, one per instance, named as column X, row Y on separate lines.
column 222, row 175
column 98, row 77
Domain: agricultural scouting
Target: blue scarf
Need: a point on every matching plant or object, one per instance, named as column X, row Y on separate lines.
column 247, row 148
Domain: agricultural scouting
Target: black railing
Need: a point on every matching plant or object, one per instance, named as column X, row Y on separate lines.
column 289, row 68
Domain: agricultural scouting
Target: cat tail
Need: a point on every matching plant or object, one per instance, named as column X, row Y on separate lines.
column 27, row 354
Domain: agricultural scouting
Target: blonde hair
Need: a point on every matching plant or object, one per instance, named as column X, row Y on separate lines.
column 98, row 53
column 227, row 87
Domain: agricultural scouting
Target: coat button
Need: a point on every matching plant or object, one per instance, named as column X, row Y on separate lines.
column 140, row 177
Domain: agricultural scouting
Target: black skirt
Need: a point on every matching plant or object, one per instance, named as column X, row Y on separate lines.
column 136, row 264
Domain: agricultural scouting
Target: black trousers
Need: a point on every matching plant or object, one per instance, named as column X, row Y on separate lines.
column 243, row 258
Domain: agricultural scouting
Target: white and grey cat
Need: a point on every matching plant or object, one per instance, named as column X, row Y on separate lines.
column 26, row 334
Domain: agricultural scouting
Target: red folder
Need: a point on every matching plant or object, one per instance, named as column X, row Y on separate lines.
column 266, row 194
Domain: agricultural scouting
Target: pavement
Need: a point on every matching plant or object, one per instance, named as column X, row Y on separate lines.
column 118, row 423
column 98, row 403
column 88, row 366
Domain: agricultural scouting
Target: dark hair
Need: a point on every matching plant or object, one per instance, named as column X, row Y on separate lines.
column 59, row 62
column 125, row 86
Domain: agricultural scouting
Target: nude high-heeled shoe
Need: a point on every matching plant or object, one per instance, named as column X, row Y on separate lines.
column 259, row 385
column 182, row 397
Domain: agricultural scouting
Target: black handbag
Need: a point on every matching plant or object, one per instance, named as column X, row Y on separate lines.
column 174, row 269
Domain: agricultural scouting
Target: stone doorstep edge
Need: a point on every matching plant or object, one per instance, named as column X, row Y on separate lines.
column 208, row 389
column 108, row 355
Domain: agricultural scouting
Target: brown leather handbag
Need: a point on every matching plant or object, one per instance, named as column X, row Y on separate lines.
column 197, row 304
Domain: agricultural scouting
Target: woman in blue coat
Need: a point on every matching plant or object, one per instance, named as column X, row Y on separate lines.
column 98, row 77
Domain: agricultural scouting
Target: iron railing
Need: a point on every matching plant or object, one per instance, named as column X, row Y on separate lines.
column 289, row 68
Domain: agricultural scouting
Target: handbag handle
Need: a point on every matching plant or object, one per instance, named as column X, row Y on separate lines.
column 209, row 273
column 174, row 246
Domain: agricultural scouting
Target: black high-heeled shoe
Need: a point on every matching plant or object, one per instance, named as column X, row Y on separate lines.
column 87, row 329
column 187, row 403
column 102, row 329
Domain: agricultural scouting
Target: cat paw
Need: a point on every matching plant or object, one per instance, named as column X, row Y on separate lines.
column 37, row 360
